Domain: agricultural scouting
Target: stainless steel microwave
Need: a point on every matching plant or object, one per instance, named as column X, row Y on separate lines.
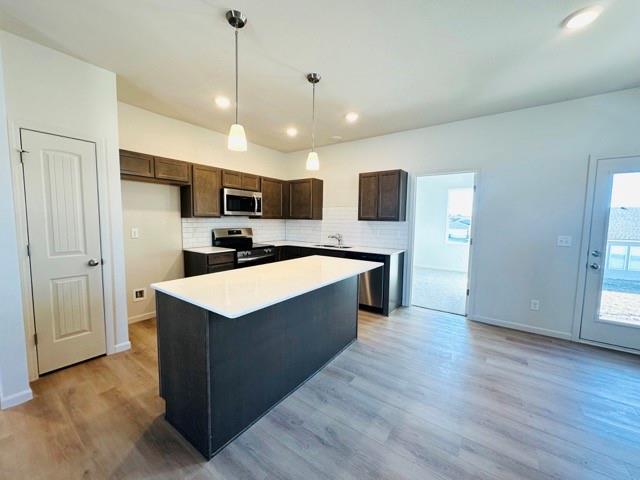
column 241, row 202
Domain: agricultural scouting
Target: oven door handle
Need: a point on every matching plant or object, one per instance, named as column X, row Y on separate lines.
column 254, row 259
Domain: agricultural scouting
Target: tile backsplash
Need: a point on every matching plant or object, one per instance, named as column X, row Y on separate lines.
column 344, row 220
column 196, row 232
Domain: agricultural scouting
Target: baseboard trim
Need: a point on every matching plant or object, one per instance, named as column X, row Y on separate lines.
column 142, row 317
column 429, row 267
column 15, row 399
column 522, row 327
column 121, row 347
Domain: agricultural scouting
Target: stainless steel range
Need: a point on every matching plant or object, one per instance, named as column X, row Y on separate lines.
column 248, row 253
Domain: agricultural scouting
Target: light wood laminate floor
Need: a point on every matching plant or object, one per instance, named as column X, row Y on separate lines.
column 420, row 395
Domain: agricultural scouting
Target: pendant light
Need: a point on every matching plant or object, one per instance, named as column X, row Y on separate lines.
column 237, row 140
column 313, row 162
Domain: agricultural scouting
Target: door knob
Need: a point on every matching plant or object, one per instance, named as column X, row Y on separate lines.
column 93, row 262
column 595, row 266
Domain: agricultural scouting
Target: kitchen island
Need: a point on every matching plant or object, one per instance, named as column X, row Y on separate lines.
column 233, row 344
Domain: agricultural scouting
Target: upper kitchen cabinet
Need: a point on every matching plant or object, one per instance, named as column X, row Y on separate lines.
column 305, row 199
column 172, row 170
column 274, row 198
column 136, row 164
column 383, row 196
column 148, row 168
column 240, row 180
column 202, row 197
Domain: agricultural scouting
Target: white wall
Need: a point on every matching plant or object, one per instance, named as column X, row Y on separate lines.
column 14, row 385
column 156, row 255
column 533, row 169
column 55, row 93
column 431, row 249
column 148, row 132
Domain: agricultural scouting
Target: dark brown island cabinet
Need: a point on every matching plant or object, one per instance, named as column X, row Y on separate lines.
column 382, row 196
column 201, row 186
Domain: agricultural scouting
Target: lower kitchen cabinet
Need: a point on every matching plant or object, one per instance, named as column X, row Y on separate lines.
column 196, row 263
column 380, row 290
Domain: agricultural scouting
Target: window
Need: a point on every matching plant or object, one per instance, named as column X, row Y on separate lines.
column 459, row 207
column 634, row 258
column 618, row 257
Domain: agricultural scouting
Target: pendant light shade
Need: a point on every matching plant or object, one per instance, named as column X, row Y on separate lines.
column 313, row 162
column 237, row 140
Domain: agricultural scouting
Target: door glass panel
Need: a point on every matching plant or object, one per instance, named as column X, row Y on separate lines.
column 620, row 300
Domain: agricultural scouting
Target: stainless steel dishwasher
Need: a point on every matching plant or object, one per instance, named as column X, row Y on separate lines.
column 371, row 282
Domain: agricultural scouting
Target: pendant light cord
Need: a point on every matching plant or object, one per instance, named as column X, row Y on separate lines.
column 313, row 119
column 236, row 37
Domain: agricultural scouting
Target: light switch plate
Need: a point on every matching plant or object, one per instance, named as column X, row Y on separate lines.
column 565, row 241
column 134, row 232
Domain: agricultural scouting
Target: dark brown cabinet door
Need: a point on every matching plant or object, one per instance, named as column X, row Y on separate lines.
column 383, row 196
column 136, row 164
column 300, row 199
column 368, row 197
column 231, row 179
column 388, row 195
column 272, row 198
column 202, row 197
column 250, row 182
column 172, row 170
column 305, row 199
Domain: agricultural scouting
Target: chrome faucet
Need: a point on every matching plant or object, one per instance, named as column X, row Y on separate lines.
column 338, row 237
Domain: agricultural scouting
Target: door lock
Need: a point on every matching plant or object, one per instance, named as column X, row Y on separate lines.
column 595, row 253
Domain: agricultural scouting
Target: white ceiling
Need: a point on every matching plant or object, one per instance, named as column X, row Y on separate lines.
column 401, row 64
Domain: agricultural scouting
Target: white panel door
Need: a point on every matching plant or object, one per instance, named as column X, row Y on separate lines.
column 611, row 310
column 61, row 191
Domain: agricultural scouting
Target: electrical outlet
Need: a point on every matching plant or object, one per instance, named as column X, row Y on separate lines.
column 134, row 232
column 535, row 305
column 565, row 240
column 139, row 294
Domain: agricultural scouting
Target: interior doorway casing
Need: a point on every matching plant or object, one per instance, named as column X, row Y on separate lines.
column 470, row 308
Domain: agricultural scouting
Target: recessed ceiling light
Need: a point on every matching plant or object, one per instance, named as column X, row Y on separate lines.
column 582, row 18
column 351, row 117
column 292, row 131
column 222, row 101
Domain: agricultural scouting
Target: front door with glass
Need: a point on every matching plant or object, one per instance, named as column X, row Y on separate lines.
column 611, row 309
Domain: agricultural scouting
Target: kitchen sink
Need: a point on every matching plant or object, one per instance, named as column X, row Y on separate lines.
column 333, row 246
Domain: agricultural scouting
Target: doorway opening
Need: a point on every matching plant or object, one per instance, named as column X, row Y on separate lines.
column 442, row 241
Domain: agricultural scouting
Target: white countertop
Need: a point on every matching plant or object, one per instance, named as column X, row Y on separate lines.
column 352, row 248
column 207, row 250
column 238, row 292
